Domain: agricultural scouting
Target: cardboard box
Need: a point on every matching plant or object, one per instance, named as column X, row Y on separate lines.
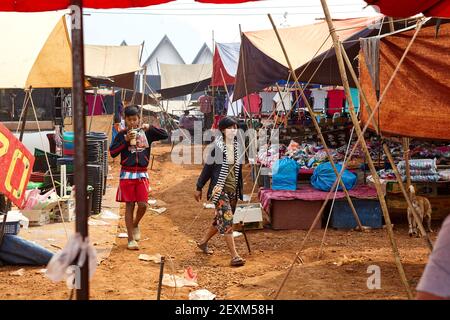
column 37, row 217
column 68, row 211
column 248, row 213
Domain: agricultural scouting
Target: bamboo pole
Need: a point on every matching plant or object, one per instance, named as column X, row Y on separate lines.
column 428, row 241
column 406, row 158
column 245, row 78
column 354, row 118
column 93, row 108
column 144, row 80
column 316, row 125
column 228, row 94
column 281, row 99
column 391, row 24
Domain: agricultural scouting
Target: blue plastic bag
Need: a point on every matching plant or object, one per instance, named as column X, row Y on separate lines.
column 324, row 177
column 285, row 173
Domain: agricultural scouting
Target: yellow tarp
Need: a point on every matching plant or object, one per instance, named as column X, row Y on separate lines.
column 34, row 50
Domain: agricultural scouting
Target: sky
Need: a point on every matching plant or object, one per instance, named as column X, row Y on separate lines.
column 189, row 24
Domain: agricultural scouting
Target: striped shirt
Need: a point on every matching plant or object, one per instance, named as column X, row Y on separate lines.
column 132, row 175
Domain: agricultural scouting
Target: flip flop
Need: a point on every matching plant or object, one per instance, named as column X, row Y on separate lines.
column 204, row 248
column 237, row 261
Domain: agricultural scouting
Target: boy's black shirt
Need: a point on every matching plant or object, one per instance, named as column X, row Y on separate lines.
column 135, row 161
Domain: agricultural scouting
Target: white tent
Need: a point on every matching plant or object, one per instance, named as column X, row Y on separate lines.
column 108, row 61
column 34, row 50
column 176, row 75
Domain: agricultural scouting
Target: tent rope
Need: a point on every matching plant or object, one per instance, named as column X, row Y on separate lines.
column 48, row 163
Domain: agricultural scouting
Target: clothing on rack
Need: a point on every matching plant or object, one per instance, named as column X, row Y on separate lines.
column 319, row 97
column 301, row 103
column 98, row 108
column 267, row 101
column 255, row 103
column 219, row 103
column 234, row 109
column 354, row 92
column 205, row 103
column 335, row 101
column 286, row 103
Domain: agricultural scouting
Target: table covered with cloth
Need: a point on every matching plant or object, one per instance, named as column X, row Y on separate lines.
column 308, row 193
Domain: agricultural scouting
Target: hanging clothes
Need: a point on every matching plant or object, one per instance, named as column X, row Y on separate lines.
column 286, row 103
column 301, row 103
column 319, row 97
column 267, row 101
column 219, row 103
column 205, row 103
column 354, row 92
column 98, row 108
column 255, row 103
column 234, row 109
column 335, row 101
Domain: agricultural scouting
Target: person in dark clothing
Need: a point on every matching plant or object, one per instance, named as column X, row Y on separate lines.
column 224, row 172
column 133, row 145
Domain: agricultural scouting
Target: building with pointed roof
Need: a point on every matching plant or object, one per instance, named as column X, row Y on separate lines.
column 204, row 55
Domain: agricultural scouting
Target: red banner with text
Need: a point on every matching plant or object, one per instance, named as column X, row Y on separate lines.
column 16, row 164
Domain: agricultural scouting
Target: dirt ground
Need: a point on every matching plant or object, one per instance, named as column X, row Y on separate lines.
column 341, row 273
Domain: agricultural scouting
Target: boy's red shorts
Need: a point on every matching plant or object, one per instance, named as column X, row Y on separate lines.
column 133, row 190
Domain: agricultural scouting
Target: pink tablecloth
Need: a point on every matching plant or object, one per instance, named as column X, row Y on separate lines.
column 308, row 193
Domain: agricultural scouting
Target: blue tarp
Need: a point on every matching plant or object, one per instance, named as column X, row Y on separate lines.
column 324, row 177
column 284, row 174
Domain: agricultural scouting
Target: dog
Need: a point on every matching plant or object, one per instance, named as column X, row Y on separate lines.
column 423, row 207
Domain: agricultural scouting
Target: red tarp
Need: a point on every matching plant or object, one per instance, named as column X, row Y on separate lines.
column 232, row 58
column 226, row 1
column 51, row 5
column 416, row 104
column 408, row 8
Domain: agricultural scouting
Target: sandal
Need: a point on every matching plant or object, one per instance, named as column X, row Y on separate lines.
column 237, row 261
column 204, row 248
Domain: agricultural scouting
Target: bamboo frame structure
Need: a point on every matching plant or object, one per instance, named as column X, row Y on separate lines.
column 374, row 173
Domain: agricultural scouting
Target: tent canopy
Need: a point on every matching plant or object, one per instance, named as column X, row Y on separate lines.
column 108, row 61
column 408, row 8
column 226, row 59
column 182, row 79
column 416, row 104
column 51, row 5
column 268, row 64
column 35, row 51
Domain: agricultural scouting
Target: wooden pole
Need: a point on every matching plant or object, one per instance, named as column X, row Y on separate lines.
column 382, row 200
column 316, row 125
column 81, row 205
column 428, row 241
column 391, row 24
column 281, row 99
column 228, row 94
column 93, row 109
column 245, row 78
column 406, row 158
column 144, row 80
